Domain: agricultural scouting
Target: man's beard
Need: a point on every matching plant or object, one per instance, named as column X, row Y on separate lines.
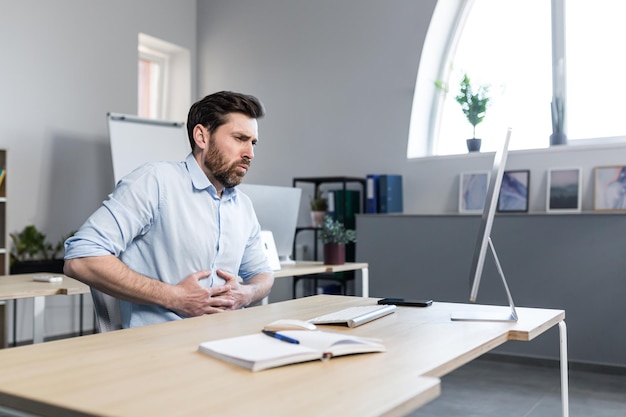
column 228, row 175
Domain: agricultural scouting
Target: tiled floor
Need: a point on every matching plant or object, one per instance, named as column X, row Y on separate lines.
column 497, row 388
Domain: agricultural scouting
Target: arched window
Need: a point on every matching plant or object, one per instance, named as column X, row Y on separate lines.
column 525, row 50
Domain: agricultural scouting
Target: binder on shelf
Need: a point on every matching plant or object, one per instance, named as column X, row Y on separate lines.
column 343, row 206
column 390, row 193
column 3, row 173
column 371, row 193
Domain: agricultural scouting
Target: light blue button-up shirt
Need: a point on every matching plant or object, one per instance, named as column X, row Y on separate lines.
column 166, row 221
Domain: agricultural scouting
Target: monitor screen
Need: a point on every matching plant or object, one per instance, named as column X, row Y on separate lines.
column 277, row 209
column 484, row 231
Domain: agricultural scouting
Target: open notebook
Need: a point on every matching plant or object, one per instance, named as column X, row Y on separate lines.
column 259, row 351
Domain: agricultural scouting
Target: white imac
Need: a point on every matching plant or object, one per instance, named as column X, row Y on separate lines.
column 277, row 209
column 484, row 240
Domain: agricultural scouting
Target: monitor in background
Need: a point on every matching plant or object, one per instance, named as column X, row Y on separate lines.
column 484, row 241
column 277, row 209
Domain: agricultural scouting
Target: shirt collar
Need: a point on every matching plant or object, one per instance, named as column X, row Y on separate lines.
column 200, row 180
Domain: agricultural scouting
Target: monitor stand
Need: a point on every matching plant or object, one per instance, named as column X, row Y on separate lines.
column 510, row 316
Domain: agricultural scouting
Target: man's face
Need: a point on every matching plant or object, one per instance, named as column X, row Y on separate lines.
column 228, row 152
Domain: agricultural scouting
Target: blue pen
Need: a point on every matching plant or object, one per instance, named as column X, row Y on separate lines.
column 279, row 336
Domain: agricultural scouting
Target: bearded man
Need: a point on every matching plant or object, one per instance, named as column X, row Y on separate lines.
column 177, row 239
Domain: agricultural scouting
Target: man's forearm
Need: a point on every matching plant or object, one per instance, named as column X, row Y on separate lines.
column 260, row 286
column 110, row 275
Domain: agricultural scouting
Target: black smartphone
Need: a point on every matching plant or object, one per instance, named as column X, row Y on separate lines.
column 406, row 302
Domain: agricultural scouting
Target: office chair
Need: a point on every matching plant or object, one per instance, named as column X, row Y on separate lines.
column 108, row 317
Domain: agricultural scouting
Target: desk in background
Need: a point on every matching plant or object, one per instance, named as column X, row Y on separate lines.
column 19, row 286
column 127, row 372
column 300, row 268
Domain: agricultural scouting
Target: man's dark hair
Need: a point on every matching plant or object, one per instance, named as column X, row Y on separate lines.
column 212, row 111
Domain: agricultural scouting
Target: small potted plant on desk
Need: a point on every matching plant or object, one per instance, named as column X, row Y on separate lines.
column 474, row 102
column 32, row 253
column 334, row 236
column 319, row 205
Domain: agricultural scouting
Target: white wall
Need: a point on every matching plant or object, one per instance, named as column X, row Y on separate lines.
column 337, row 78
column 64, row 65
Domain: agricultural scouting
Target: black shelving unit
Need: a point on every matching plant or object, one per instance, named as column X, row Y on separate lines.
column 343, row 277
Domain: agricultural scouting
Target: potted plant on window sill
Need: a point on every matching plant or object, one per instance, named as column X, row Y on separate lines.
column 318, row 205
column 335, row 236
column 474, row 102
column 31, row 252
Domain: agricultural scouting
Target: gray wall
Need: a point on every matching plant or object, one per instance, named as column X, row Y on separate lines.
column 337, row 79
column 64, row 65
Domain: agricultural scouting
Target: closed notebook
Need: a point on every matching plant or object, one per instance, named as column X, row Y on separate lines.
column 259, row 351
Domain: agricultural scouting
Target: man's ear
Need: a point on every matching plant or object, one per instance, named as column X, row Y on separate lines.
column 201, row 136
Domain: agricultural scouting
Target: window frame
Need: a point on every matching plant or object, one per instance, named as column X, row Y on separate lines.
column 175, row 85
column 446, row 28
column 160, row 59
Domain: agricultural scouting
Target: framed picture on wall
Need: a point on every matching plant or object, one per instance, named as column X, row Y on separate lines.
column 513, row 196
column 564, row 190
column 610, row 188
column 473, row 191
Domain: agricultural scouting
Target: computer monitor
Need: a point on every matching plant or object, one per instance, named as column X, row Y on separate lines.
column 277, row 209
column 484, row 241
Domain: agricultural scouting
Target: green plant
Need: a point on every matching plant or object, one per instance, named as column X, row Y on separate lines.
column 318, row 203
column 473, row 100
column 30, row 245
column 334, row 231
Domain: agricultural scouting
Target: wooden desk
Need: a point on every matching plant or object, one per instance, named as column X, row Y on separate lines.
column 157, row 370
column 311, row 268
column 14, row 287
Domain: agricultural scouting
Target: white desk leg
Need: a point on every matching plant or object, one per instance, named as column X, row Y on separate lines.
column 564, row 374
column 365, row 277
column 39, row 304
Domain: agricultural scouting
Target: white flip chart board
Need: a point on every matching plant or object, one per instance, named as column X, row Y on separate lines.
column 135, row 141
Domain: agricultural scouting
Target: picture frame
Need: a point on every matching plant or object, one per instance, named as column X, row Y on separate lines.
column 564, row 190
column 610, row 188
column 514, row 190
column 473, row 191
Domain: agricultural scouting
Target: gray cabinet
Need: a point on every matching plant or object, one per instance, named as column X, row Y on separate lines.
column 575, row 262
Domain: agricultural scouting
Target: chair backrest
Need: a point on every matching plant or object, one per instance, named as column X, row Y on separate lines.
column 108, row 317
